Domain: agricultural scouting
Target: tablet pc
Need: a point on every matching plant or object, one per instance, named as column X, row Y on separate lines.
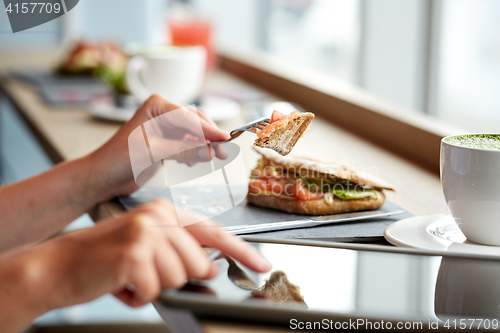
column 358, row 287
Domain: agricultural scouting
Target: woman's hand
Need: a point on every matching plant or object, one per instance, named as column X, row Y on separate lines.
column 146, row 249
column 58, row 196
column 111, row 170
column 133, row 257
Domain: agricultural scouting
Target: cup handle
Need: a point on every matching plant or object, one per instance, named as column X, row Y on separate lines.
column 134, row 82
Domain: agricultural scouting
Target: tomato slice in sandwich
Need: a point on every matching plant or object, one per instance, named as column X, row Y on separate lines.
column 302, row 193
column 275, row 116
column 273, row 126
column 279, row 185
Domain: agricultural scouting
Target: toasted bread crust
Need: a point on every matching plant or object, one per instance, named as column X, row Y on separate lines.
column 284, row 139
column 316, row 207
column 306, row 167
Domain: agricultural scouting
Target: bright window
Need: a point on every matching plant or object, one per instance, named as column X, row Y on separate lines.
column 436, row 57
column 321, row 34
column 468, row 91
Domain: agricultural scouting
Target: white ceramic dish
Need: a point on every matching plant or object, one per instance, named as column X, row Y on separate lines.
column 435, row 233
column 219, row 108
column 110, row 112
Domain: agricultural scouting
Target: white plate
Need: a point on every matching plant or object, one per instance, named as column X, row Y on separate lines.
column 110, row 112
column 435, row 233
column 219, row 108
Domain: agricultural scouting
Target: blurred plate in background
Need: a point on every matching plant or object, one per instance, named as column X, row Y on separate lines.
column 110, row 112
column 219, row 108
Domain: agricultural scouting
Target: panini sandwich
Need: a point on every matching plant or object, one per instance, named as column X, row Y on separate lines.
column 305, row 186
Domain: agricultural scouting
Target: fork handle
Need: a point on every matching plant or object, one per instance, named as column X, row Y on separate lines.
column 235, row 134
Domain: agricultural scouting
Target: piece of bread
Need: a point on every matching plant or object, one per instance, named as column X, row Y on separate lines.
column 283, row 139
column 279, row 289
column 316, row 207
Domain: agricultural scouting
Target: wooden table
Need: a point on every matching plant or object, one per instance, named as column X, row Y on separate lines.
column 68, row 133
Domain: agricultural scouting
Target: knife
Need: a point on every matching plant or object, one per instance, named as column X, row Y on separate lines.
column 309, row 222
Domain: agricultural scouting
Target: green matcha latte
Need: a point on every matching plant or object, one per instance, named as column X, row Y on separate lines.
column 478, row 141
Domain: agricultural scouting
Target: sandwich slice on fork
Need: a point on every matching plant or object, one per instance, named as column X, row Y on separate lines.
column 283, row 131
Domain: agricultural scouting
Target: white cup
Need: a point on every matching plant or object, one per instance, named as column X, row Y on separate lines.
column 175, row 72
column 471, row 184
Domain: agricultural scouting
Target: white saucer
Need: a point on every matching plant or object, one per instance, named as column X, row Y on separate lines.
column 435, row 233
column 219, row 108
column 110, row 112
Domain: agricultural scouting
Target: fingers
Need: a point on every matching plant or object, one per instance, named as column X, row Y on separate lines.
column 192, row 155
column 190, row 259
column 146, row 286
column 200, row 154
column 170, row 267
column 192, row 152
column 183, row 151
column 210, row 128
column 212, row 272
column 189, row 152
column 186, row 121
column 212, row 132
column 179, row 256
column 189, row 250
column 221, row 152
column 190, row 119
column 167, row 255
column 157, row 105
column 209, row 234
column 147, row 261
column 202, row 114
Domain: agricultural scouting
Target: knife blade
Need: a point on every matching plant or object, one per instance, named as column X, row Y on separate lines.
column 309, row 222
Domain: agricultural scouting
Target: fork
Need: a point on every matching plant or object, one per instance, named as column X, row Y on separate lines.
column 234, row 272
column 254, row 125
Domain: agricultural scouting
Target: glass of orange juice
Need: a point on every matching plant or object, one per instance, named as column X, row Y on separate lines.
column 193, row 31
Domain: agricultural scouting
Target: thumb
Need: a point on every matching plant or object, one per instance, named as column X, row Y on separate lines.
column 184, row 151
column 191, row 155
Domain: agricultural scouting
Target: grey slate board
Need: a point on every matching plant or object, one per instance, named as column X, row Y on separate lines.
column 244, row 213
